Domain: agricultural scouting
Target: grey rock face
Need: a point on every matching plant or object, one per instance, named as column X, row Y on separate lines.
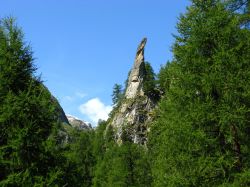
column 133, row 114
column 78, row 124
column 136, row 75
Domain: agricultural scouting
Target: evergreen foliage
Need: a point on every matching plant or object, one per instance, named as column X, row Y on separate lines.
column 79, row 159
column 122, row 165
column 16, row 61
column 150, row 84
column 117, row 94
column 28, row 121
column 165, row 75
column 200, row 136
column 200, row 133
column 149, row 80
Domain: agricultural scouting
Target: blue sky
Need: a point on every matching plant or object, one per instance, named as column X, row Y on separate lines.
column 83, row 47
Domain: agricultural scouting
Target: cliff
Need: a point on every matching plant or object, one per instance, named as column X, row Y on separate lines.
column 133, row 113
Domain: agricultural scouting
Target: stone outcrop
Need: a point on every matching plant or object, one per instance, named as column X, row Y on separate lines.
column 134, row 86
column 78, row 124
column 133, row 113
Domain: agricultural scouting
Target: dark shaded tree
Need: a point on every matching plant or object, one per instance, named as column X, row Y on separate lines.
column 79, row 159
column 149, row 83
column 28, row 119
column 120, row 165
column 117, row 94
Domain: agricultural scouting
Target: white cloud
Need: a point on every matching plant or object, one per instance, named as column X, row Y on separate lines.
column 95, row 109
column 80, row 94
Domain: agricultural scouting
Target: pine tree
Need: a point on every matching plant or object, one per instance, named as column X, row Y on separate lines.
column 16, row 63
column 149, row 83
column 117, row 94
column 201, row 135
column 165, row 75
column 79, row 159
column 28, row 119
column 120, row 165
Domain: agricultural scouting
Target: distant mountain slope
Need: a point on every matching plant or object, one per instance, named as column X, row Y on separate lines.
column 77, row 123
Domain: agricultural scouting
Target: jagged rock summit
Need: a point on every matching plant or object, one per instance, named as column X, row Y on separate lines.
column 135, row 80
column 132, row 115
column 77, row 123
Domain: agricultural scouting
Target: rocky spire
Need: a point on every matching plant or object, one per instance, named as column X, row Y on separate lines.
column 134, row 86
column 132, row 115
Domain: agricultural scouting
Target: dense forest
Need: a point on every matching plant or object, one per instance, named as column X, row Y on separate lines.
column 199, row 132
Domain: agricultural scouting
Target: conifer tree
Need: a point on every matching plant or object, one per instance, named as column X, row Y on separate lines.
column 201, row 135
column 120, row 165
column 79, row 159
column 149, row 80
column 165, row 76
column 117, row 94
column 28, row 119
